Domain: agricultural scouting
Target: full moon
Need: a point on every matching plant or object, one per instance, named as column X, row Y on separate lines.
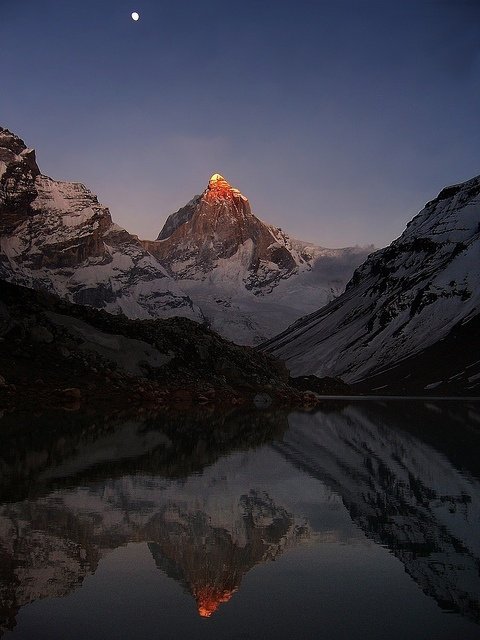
column 135, row 16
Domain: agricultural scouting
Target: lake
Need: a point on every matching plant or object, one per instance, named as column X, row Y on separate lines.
column 358, row 521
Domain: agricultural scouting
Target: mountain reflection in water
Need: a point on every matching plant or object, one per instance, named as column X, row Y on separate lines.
column 214, row 495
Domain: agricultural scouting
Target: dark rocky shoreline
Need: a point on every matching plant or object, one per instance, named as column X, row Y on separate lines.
column 57, row 354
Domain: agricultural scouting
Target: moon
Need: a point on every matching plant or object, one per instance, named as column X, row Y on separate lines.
column 135, row 16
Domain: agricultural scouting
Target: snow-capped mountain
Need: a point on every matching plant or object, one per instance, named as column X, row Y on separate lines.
column 218, row 225
column 248, row 277
column 401, row 300
column 213, row 261
column 57, row 237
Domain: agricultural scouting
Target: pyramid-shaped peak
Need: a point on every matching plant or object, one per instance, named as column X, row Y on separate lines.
column 218, row 187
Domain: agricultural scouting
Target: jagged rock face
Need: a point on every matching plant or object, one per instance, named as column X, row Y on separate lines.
column 56, row 236
column 402, row 299
column 32, row 204
column 249, row 278
column 18, row 170
column 217, row 225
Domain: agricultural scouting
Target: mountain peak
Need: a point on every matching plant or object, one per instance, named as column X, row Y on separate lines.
column 219, row 225
column 218, row 187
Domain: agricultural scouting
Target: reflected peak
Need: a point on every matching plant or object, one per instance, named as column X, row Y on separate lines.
column 210, row 598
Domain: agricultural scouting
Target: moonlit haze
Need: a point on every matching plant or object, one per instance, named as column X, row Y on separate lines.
column 337, row 120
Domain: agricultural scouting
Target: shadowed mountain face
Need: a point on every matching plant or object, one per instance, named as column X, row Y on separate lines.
column 214, row 496
column 47, row 343
column 401, row 300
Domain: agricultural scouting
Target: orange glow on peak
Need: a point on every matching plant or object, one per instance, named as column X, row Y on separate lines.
column 217, row 182
column 218, row 187
column 209, row 599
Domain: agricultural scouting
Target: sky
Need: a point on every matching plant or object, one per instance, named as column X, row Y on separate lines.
column 338, row 120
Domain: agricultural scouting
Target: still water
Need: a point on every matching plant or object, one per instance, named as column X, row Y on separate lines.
column 359, row 521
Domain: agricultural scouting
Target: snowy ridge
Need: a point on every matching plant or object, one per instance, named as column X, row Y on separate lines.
column 56, row 236
column 401, row 299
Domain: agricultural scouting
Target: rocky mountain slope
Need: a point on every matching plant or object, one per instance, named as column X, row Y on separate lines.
column 409, row 296
column 248, row 277
column 214, row 261
column 61, row 350
column 55, row 236
column 216, row 225
column 450, row 367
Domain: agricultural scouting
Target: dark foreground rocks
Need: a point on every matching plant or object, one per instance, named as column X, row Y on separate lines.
column 54, row 353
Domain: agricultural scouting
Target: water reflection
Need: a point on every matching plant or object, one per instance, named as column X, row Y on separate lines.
column 80, row 486
column 215, row 495
column 210, row 558
column 402, row 492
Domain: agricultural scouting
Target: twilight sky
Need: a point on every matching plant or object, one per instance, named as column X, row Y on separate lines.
column 338, row 119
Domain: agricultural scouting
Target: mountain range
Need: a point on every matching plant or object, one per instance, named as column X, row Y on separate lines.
column 402, row 319
column 214, row 261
